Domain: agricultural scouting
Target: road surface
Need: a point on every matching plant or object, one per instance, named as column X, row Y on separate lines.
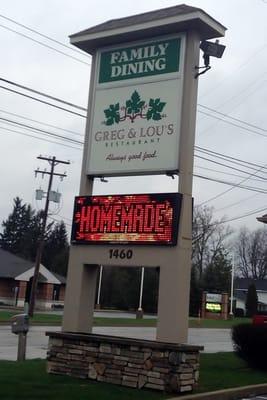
column 213, row 340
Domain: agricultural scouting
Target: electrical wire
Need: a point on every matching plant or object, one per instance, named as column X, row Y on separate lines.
column 42, row 123
column 42, row 131
column 44, row 45
column 42, row 101
column 241, row 216
column 230, row 189
column 236, row 203
column 224, row 165
column 225, row 173
column 232, row 184
column 38, row 138
column 44, row 36
column 233, row 159
column 233, row 118
column 233, row 124
column 43, row 94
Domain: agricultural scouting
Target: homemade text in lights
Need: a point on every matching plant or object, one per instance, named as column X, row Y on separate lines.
column 135, row 219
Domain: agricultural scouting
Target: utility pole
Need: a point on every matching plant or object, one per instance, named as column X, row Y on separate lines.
column 53, row 162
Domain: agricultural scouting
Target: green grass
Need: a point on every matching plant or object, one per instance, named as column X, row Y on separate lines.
column 29, row 381
column 52, row 319
column 226, row 370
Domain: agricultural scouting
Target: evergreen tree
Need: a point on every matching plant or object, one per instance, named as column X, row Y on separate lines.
column 55, row 255
column 251, row 301
column 22, row 230
column 217, row 275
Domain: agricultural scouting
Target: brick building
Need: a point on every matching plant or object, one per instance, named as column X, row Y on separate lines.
column 15, row 283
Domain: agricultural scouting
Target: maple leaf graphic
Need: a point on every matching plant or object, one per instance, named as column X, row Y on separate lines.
column 112, row 114
column 134, row 105
column 155, row 108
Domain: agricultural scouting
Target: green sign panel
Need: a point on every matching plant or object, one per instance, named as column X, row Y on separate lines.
column 153, row 58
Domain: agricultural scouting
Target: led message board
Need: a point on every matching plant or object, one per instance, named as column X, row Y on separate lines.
column 214, row 307
column 123, row 219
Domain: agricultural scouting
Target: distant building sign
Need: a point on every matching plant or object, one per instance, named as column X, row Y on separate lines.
column 135, row 219
column 136, row 112
column 213, row 302
column 214, row 297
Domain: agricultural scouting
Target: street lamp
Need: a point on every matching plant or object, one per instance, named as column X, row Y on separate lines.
column 232, row 288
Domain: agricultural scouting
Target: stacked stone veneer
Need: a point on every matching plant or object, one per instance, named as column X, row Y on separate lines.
column 123, row 361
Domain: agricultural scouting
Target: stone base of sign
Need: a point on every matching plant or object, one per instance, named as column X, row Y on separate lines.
column 123, row 361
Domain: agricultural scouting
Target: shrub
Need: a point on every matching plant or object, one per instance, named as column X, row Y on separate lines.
column 239, row 312
column 250, row 344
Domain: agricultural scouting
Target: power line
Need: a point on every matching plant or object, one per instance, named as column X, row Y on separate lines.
column 42, row 123
column 42, row 101
column 44, row 45
column 221, row 155
column 42, row 131
column 39, row 138
column 232, row 123
column 232, row 184
column 42, row 94
column 233, row 118
column 44, row 36
column 232, row 188
column 236, row 203
column 227, row 166
column 242, row 216
column 226, row 173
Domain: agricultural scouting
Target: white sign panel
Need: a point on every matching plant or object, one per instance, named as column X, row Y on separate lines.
column 136, row 112
column 214, row 298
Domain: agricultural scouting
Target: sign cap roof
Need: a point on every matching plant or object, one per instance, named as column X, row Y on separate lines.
column 169, row 20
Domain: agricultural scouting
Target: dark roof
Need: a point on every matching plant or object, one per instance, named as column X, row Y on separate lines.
column 244, row 283
column 61, row 278
column 145, row 18
column 12, row 266
column 135, row 19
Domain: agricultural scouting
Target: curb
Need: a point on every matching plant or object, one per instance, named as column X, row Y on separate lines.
column 227, row 394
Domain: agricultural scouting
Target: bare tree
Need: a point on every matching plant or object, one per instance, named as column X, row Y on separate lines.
column 209, row 236
column 251, row 251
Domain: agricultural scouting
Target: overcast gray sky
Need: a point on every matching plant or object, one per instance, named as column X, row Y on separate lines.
column 236, row 85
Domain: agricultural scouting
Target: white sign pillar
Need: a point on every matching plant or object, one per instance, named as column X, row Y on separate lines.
column 141, row 120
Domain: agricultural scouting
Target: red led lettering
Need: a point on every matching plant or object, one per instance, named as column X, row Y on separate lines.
column 126, row 218
column 84, row 219
column 105, row 221
column 159, row 220
column 95, row 219
column 115, row 225
column 149, row 218
column 138, row 218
